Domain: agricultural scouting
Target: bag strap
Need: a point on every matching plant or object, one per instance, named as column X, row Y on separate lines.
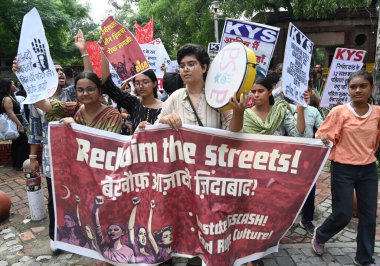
column 195, row 112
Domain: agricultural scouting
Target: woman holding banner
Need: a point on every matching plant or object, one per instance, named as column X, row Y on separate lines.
column 266, row 116
column 88, row 111
column 188, row 105
column 354, row 130
column 146, row 85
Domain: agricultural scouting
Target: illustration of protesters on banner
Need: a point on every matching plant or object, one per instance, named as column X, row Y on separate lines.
column 164, row 240
column 138, row 236
column 71, row 232
column 113, row 250
column 91, row 241
column 159, row 248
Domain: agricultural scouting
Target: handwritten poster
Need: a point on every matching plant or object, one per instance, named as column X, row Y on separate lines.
column 296, row 66
column 259, row 37
column 122, row 50
column 37, row 72
column 157, row 55
column 228, row 197
column 345, row 62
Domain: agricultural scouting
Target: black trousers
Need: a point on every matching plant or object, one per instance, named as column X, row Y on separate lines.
column 19, row 150
column 344, row 178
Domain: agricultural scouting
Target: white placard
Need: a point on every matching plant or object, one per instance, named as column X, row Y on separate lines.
column 258, row 37
column 296, row 67
column 157, row 55
column 37, row 72
column 345, row 62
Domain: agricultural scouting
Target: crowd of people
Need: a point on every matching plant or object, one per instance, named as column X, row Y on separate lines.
column 352, row 128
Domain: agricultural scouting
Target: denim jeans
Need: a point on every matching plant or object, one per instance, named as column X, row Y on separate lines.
column 344, row 178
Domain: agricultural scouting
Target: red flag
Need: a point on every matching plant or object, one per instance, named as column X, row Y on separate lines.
column 93, row 50
column 144, row 34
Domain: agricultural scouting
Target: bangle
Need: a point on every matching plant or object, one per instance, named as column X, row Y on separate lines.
column 84, row 55
column 32, row 156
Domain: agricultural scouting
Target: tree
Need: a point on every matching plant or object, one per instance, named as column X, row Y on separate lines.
column 61, row 20
column 181, row 21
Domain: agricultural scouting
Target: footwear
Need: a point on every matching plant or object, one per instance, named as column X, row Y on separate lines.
column 319, row 249
column 52, row 246
column 308, row 226
column 357, row 263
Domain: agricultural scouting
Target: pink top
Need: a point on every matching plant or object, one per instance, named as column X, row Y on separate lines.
column 355, row 137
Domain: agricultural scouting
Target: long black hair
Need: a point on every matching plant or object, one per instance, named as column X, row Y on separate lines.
column 5, row 88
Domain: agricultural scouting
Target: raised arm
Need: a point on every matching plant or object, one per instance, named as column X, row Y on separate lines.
column 301, row 125
column 99, row 200
column 150, row 234
column 80, row 43
column 105, row 67
column 77, row 200
column 132, row 219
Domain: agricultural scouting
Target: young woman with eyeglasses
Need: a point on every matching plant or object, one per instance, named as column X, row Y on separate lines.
column 146, row 107
column 188, row 105
column 88, row 111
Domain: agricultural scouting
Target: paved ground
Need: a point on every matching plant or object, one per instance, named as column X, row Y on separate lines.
column 25, row 242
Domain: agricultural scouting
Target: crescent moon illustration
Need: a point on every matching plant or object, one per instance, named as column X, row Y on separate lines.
column 68, row 192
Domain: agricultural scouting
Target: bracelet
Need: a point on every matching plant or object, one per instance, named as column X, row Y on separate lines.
column 32, row 156
column 84, row 55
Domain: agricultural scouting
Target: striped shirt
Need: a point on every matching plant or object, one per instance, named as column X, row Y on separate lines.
column 178, row 103
column 108, row 119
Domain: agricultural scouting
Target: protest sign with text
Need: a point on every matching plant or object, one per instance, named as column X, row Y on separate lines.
column 37, row 72
column 229, row 197
column 213, row 49
column 157, row 55
column 122, row 50
column 345, row 62
column 259, row 37
column 296, row 67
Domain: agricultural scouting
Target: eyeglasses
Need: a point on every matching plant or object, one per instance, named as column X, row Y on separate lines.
column 190, row 65
column 89, row 90
column 144, row 83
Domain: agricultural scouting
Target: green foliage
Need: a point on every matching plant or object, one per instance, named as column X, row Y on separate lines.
column 178, row 22
column 61, row 20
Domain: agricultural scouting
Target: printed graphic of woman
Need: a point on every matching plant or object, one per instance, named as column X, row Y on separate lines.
column 142, row 249
column 71, row 232
column 91, row 241
column 113, row 250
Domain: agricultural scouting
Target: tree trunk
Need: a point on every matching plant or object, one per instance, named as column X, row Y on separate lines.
column 376, row 73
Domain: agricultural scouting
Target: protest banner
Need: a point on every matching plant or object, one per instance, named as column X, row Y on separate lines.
column 93, row 51
column 157, row 55
column 144, row 34
column 213, row 49
column 37, row 72
column 259, row 37
column 345, row 62
column 296, row 66
column 229, row 197
column 122, row 50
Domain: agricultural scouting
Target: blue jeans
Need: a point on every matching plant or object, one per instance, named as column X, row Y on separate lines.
column 344, row 178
